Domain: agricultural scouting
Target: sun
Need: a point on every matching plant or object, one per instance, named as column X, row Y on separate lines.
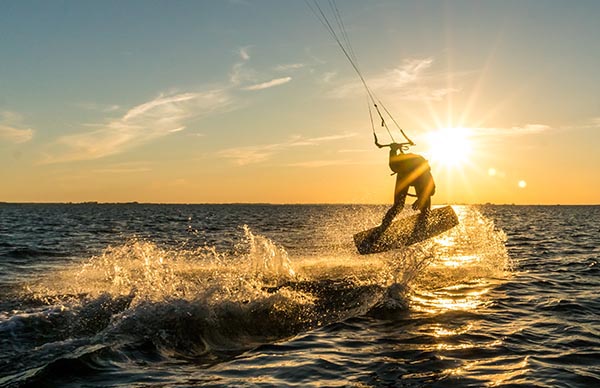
column 449, row 147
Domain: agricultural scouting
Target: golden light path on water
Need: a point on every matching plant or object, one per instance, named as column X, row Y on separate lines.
column 449, row 299
column 456, row 278
column 461, row 279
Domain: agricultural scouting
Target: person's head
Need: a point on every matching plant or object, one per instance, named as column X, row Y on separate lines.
column 396, row 147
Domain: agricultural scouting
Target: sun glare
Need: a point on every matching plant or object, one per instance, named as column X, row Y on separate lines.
column 449, row 147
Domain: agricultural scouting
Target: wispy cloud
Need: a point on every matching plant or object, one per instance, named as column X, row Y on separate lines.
column 324, row 163
column 7, row 116
column 289, row 67
column 142, row 123
column 269, row 84
column 105, row 108
column 353, row 151
column 533, row 129
column 409, row 71
column 244, row 53
column 410, row 81
column 251, row 154
column 316, row 140
column 15, row 135
column 329, row 76
column 12, row 128
column 239, row 72
column 527, row 129
column 594, row 122
column 260, row 153
column 122, row 170
column 159, row 117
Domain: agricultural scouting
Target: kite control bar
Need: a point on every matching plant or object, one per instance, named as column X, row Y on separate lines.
column 401, row 146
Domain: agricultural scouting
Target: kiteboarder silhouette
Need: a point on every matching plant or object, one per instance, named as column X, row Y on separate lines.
column 410, row 170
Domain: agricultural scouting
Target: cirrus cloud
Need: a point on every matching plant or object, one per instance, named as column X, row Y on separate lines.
column 269, row 84
column 260, row 153
column 411, row 80
column 11, row 128
column 151, row 120
column 527, row 129
column 15, row 135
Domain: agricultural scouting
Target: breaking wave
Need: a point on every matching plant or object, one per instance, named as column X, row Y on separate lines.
column 144, row 301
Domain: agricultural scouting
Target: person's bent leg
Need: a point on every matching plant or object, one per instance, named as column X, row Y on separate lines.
column 390, row 215
column 425, row 188
column 397, row 207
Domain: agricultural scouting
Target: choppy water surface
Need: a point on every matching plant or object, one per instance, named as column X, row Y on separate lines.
column 259, row 295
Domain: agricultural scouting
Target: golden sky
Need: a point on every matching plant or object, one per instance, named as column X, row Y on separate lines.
column 252, row 101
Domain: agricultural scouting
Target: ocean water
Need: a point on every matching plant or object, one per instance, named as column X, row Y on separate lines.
column 135, row 295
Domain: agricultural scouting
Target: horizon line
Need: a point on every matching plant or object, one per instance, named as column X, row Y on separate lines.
column 282, row 203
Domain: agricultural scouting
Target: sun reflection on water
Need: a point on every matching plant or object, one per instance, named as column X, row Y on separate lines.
column 468, row 262
column 456, row 289
column 444, row 331
column 444, row 300
column 496, row 373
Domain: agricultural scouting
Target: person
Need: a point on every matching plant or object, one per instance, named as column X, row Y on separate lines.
column 411, row 170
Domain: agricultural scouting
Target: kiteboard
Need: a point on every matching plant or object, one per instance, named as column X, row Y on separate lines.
column 406, row 231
